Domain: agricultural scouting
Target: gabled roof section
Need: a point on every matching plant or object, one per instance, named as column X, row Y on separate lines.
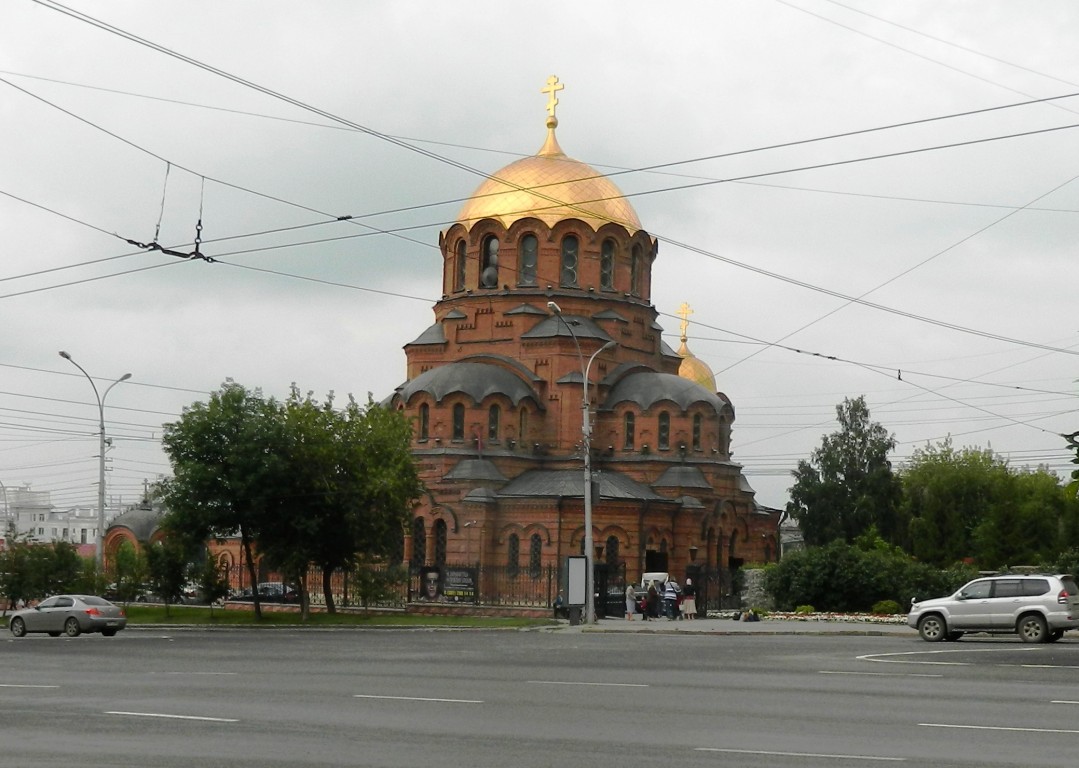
column 682, row 477
column 552, row 326
column 609, row 314
column 569, row 483
column 455, row 314
column 433, row 335
column 526, row 309
column 476, row 469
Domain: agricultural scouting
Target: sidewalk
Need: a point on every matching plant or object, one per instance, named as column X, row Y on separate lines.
column 732, row 627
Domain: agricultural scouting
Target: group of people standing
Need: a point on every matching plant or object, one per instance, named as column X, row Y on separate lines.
column 674, row 601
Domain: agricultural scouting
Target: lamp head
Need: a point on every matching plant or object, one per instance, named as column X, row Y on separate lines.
column 554, row 307
column 125, row 377
column 65, row 355
column 609, row 345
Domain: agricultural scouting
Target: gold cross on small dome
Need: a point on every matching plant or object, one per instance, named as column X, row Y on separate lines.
column 552, row 88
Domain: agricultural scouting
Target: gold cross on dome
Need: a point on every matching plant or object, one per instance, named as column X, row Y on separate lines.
column 553, row 87
column 684, row 312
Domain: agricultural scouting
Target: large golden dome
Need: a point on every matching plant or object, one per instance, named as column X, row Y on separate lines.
column 551, row 187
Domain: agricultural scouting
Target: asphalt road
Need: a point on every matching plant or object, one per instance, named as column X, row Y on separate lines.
column 267, row 698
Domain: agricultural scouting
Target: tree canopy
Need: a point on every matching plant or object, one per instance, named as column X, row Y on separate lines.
column 304, row 482
column 847, row 486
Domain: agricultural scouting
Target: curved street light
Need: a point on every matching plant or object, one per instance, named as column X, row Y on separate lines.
column 99, row 554
column 586, row 434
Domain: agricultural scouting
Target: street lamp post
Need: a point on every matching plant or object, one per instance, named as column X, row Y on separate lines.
column 586, row 434
column 99, row 555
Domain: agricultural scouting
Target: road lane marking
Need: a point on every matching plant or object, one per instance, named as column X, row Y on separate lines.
column 879, row 674
column 801, row 754
column 998, row 728
column 16, row 685
column 416, row 698
column 191, row 674
column 577, row 682
column 175, row 717
column 1063, row 701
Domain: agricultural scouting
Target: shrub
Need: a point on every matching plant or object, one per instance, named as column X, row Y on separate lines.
column 886, row 608
column 804, row 609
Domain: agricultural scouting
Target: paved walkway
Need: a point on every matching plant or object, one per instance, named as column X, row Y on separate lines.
column 733, row 627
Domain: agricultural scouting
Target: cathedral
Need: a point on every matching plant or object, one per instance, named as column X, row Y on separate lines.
column 545, row 365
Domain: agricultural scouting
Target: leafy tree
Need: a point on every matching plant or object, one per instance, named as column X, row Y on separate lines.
column 1073, row 444
column 229, row 461
column 213, row 584
column 129, row 570
column 31, row 571
column 166, row 564
column 352, row 483
column 848, row 486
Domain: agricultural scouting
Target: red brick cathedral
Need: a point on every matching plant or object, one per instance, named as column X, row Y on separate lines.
column 547, row 266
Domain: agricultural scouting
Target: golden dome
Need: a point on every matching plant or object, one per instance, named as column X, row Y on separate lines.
column 691, row 368
column 551, row 187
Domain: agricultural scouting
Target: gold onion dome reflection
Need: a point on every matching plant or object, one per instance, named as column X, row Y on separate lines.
column 550, row 187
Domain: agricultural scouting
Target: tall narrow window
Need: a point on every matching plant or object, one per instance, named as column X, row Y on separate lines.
column 459, row 267
column 489, row 263
column 522, row 426
column 570, row 257
column 492, row 423
column 529, row 254
column 535, row 555
column 513, row 555
column 664, row 430
column 606, row 265
column 425, row 421
column 458, row 422
column 440, row 542
column 630, row 426
column 611, row 552
column 635, row 271
column 696, row 431
column 419, row 542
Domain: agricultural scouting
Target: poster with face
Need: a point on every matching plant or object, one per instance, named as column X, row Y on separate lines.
column 430, row 584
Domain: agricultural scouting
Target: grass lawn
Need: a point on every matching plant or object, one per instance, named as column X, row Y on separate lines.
column 147, row 615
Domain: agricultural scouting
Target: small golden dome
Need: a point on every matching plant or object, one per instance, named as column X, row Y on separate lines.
column 693, row 369
column 551, row 187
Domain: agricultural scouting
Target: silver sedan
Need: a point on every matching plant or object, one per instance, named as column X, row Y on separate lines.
column 70, row 615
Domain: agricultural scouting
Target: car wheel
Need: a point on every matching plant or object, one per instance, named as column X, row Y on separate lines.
column 932, row 628
column 1032, row 629
column 1055, row 635
column 18, row 627
column 953, row 636
column 71, row 627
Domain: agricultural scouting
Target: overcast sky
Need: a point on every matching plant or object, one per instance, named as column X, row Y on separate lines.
column 742, row 132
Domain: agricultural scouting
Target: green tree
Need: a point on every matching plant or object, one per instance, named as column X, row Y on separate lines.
column 229, row 462
column 129, row 570
column 212, row 582
column 847, row 486
column 166, row 566
column 31, row 571
column 352, row 483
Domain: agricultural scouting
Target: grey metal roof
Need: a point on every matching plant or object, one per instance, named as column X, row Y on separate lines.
column 609, row 314
column 527, row 309
column 433, row 335
column 475, row 469
column 141, row 521
column 648, row 388
column 666, row 350
column 455, row 314
column 691, row 502
column 743, row 484
column 477, row 380
column 570, row 483
column 510, row 362
column 482, row 496
column 682, row 476
column 552, row 326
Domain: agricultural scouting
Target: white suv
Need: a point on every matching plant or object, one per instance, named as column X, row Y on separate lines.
column 1039, row 608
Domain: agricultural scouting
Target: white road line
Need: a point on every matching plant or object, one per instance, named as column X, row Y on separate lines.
column 416, row 698
column 1063, row 701
column 176, row 717
column 878, row 674
column 16, row 685
column 802, row 754
column 192, row 674
column 577, row 682
column 997, row 728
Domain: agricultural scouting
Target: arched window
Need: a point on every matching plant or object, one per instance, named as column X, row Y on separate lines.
column 459, row 421
column 489, row 263
column 440, row 542
column 425, row 421
column 606, row 266
column 664, row 430
column 419, row 542
column 635, row 271
column 696, row 431
column 513, row 555
column 570, row 258
column 493, row 415
column 529, row 254
column 522, row 426
column 535, row 555
column 629, row 424
column 611, row 552
column 459, row 267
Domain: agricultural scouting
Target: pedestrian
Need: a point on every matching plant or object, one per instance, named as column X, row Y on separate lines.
column 653, row 601
column 689, row 600
column 631, row 602
column 671, row 590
